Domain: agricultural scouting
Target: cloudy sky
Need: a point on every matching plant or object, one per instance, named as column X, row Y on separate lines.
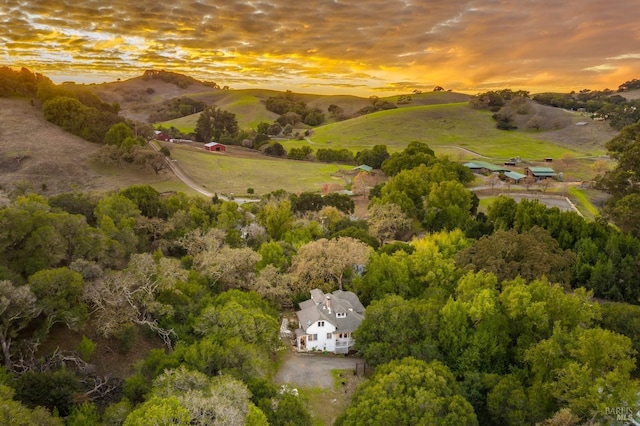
column 360, row 47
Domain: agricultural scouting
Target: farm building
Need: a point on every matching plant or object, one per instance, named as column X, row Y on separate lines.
column 161, row 136
column 484, row 167
column 215, row 147
column 514, row 177
column 540, row 172
column 363, row 168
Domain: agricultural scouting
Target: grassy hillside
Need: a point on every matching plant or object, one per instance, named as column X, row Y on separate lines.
column 442, row 127
column 631, row 94
column 139, row 98
column 247, row 105
column 36, row 153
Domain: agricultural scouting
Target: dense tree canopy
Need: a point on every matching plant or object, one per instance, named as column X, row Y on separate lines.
column 216, row 124
column 410, row 392
column 623, row 182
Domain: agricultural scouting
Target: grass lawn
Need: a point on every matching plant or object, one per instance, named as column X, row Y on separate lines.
column 325, row 405
column 226, row 173
column 485, row 202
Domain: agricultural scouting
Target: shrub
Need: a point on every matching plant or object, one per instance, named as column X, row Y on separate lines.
column 53, row 390
column 86, row 348
column 127, row 339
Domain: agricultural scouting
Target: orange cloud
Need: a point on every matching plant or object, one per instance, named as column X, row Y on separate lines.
column 370, row 45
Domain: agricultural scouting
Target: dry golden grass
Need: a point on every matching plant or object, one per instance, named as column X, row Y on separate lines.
column 51, row 160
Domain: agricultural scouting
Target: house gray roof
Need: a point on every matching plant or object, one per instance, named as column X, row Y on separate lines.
column 317, row 295
column 307, row 304
column 342, row 302
column 350, row 297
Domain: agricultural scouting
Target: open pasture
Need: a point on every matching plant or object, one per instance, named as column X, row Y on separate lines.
column 237, row 171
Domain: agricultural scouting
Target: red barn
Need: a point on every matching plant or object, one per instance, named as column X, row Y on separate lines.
column 215, row 147
column 161, row 136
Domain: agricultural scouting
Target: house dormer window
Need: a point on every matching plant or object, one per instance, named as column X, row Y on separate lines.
column 320, row 323
column 341, row 314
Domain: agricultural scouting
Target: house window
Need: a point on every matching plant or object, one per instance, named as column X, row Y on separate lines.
column 320, row 323
column 329, row 335
column 313, row 337
column 341, row 314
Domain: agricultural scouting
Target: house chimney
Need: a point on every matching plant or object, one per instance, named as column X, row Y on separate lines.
column 329, row 303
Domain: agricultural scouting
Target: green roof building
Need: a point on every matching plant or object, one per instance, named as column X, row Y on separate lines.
column 540, row 172
column 480, row 166
column 515, row 176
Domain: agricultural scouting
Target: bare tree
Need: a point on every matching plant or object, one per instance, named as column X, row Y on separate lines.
column 274, row 286
column 17, row 308
column 323, row 263
column 234, row 268
column 129, row 296
column 387, row 221
column 493, row 180
column 528, row 182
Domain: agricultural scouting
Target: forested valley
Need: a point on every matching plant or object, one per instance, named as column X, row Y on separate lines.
column 522, row 314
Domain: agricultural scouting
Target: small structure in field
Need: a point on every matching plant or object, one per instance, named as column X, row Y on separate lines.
column 215, row 147
column 327, row 322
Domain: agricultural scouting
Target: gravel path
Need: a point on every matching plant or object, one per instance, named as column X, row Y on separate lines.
column 313, row 370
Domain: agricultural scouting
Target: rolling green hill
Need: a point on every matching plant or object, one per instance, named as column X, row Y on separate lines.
column 247, row 105
column 447, row 128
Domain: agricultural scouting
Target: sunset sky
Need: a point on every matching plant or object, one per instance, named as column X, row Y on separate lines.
column 362, row 47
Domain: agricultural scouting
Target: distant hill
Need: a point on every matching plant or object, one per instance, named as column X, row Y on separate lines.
column 140, row 96
column 442, row 119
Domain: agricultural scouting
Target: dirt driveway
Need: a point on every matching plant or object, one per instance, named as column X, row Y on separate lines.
column 313, row 370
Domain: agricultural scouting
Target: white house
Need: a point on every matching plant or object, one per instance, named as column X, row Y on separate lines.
column 327, row 322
